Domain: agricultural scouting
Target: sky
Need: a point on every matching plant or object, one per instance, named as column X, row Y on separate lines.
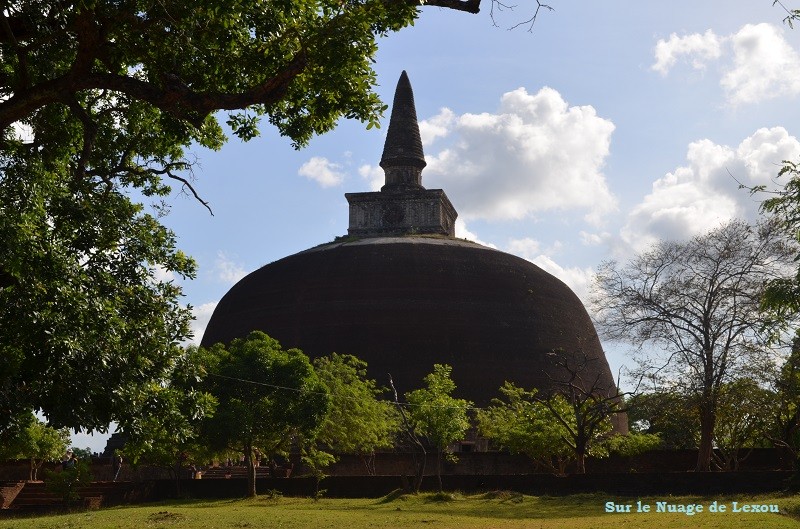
column 606, row 127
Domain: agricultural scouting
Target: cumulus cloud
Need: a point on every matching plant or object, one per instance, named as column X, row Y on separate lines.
column 535, row 154
column 202, row 315
column 436, row 127
column 762, row 64
column 704, row 193
column 594, row 239
column 322, row 171
column 699, row 49
column 373, row 175
column 526, row 248
column 462, row 232
column 228, row 271
column 576, row 278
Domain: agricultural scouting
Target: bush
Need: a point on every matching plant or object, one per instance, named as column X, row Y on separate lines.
column 67, row 482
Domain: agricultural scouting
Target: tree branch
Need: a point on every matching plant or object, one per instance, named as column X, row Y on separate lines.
column 174, row 98
column 468, row 6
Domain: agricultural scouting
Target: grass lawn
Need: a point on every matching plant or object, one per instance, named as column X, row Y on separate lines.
column 492, row 510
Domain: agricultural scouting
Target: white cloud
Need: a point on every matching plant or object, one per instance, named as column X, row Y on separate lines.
column 765, row 66
column 228, row 271
column 594, row 239
column 202, row 315
column 577, row 279
column 526, row 248
column 436, row 127
column 373, row 175
column 705, row 193
column 462, row 232
column 699, row 48
column 535, row 154
column 762, row 65
column 322, row 171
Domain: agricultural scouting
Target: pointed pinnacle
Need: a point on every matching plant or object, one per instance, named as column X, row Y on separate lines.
column 403, row 145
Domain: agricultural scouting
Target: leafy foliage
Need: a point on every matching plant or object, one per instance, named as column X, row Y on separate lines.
column 741, row 421
column 267, row 396
column 67, row 482
column 98, row 103
column 169, row 434
column 523, row 425
column 358, row 422
column 632, row 444
column 666, row 413
column 38, row 443
column 438, row 415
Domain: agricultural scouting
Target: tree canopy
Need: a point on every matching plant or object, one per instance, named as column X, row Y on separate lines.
column 358, row 422
column 523, row 425
column 267, row 397
column 98, row 104
column 699, row 302
column 436, row 414
column 36, row 442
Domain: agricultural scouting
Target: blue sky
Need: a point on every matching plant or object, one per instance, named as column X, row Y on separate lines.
column 610, row 125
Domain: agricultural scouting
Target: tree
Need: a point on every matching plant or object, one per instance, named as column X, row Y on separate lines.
column 700, row 302
column 98, row 102
column 168, row 434
column 267, row 397
column 523, row 425
column 573, row 421
column 784, row 430
column 741, row 421
column 358, row 422
column 436, row 414
column 666, row 413
column 38, row 443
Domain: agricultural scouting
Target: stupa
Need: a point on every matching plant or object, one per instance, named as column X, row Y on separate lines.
column 402, row 293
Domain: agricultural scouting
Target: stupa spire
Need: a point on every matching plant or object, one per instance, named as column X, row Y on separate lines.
column 403, row 206
column 403, row 159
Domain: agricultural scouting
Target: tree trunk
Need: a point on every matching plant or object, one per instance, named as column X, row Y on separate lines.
column 439, row 467
column 251, row 473
column 580, row 463
column 708, row 420
column 419, row 463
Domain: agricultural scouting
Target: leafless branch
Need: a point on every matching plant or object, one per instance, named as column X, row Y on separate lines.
column 532, row 20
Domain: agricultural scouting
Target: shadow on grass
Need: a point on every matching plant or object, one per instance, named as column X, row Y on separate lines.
column 498, row 504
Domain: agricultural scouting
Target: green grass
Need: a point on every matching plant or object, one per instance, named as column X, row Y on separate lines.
column 501, row 510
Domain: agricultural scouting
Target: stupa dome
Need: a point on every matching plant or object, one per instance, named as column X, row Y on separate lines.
column 403, row 304
column 402, row 293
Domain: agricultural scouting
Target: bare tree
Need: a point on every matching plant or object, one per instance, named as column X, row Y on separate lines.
column 699, row 302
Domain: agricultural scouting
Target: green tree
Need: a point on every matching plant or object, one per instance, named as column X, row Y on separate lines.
column 168, row 434
column 784, row 414
column 38, row 443
column 98, row 102
column 741, row 421
column 521, row 424
column 666, row 413
column 267, row 397
column 632, row 443
column 436, row 414
column 699, row 302
column 358, row 422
